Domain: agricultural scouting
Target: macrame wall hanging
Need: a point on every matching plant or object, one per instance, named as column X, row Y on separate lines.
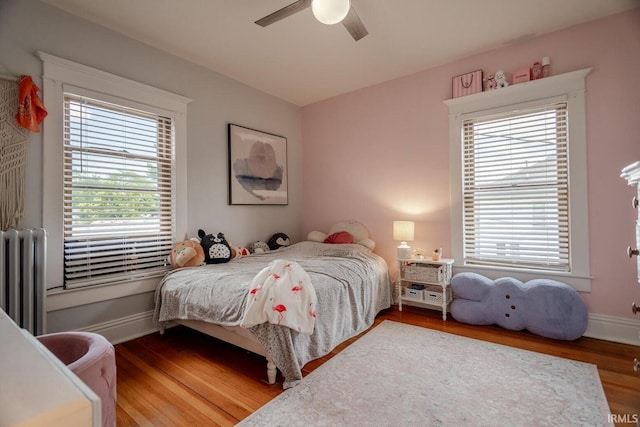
column 13, row 148
column 21, row 110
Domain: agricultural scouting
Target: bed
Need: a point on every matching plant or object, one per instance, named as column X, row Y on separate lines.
column 351, row 283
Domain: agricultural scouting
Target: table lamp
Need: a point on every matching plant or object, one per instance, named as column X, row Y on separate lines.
column 403, row 231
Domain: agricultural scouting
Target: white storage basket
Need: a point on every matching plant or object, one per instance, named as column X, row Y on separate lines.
column 415, row 294
column 426, row 272
column 433, row 294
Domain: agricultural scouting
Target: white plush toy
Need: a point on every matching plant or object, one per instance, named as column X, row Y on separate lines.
column 501, row 79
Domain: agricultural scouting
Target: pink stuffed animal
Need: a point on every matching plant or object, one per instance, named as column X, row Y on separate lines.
column 491, row 82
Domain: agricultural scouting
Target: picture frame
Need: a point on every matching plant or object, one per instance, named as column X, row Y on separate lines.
column 257, row 167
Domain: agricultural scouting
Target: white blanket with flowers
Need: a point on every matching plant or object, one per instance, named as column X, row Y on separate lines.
column 282, row 294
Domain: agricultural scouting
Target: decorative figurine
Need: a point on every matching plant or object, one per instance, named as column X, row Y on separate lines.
column 501, row 79
column 490, row 82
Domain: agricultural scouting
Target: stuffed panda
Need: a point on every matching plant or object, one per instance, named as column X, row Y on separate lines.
column 216, row 248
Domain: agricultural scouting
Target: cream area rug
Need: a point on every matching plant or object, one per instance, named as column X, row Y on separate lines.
column 404, row 375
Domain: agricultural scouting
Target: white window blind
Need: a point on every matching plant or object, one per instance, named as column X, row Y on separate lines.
column 118, row 192
column 516, row 189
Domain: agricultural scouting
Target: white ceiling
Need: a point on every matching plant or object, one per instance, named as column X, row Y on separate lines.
column 303, row 61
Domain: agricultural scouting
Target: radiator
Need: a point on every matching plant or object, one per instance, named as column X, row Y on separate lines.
column 23, row 262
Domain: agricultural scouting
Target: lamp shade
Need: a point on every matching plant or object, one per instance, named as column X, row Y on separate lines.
column 403, row 230
column 330, row 11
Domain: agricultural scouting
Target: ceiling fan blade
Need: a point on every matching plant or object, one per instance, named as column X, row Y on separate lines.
column 289, row 10
column 354, row 25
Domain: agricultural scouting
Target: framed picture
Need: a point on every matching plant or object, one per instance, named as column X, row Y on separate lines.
column 257, row 167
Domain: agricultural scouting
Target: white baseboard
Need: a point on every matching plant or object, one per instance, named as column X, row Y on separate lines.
column 616, row 329
column 125, row 328
column 608, row 328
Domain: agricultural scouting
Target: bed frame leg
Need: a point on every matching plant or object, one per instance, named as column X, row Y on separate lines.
column 271, row 370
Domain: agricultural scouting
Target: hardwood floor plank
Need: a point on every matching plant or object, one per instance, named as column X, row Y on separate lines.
column 185, row 378
column 159, row 400
column 123, row 409
column 199, row 373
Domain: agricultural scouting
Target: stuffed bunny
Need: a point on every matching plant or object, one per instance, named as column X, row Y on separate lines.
column 544, row 307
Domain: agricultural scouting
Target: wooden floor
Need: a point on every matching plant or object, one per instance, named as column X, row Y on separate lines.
column 184, row 378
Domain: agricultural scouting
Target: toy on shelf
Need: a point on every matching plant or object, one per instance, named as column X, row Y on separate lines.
column 501, row 79
column 490, row 83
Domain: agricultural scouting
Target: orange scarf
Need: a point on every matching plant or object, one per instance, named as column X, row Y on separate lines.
column 31, row 111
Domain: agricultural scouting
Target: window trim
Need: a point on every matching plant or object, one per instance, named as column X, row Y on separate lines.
column 58, row 73
column 569, row 87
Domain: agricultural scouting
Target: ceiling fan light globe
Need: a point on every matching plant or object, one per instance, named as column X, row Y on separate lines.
column 330, row 11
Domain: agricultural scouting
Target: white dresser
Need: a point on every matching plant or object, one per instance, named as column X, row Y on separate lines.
column 36, row 388
column 632, row 174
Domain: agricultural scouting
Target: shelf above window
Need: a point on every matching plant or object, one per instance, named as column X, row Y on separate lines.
column 512, row 94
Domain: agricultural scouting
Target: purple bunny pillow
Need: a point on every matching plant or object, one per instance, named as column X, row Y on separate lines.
column 544, row 307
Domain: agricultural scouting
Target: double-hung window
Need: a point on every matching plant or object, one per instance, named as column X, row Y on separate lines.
column 515, row 189
column 118, row 194
column 518, row 175
column 114, row 191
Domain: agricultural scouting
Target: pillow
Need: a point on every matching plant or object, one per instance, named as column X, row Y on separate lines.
column 339, row 237
column 357, row 230
column 316, row 236
column 367, row 243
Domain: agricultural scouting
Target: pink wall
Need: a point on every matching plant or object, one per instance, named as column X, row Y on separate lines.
column 382, row 153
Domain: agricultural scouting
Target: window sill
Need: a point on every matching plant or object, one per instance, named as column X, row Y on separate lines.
column 581, row 283
column 59, row 299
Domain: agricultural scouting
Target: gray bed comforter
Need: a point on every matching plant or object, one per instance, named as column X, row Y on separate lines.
column 351, row 282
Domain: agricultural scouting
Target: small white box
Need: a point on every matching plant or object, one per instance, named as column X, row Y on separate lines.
column 413, row 293
column 435, row 294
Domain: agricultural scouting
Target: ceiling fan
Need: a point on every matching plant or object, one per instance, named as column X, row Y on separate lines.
column 326, row 11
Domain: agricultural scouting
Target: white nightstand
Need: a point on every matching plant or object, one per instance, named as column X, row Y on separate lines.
column 435, row 276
